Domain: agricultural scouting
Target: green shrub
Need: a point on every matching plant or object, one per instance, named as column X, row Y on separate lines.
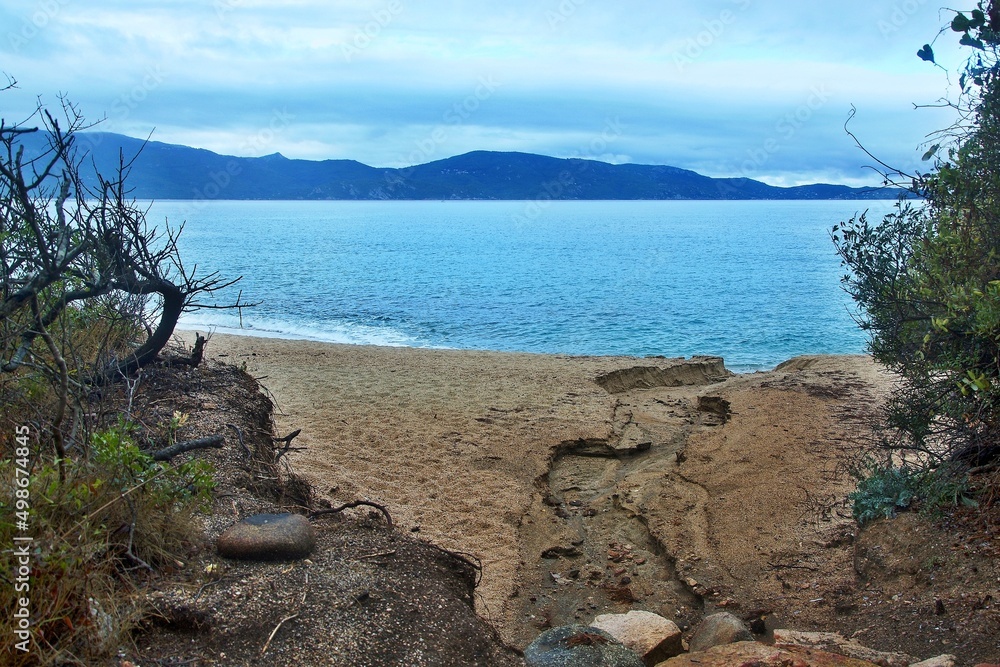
column 882, row 494
column 883, row 491
column 116, row 512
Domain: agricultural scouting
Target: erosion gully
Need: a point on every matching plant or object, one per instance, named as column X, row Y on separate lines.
column 587, row 549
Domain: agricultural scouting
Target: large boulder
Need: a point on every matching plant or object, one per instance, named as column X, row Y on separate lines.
column 579, row 646
column 718, row 629
column 268, row 537
column 650, row 635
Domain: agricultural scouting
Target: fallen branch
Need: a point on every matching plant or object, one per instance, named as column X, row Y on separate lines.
column 356, row 503
column 288, row 443
column 197, row 354
column 170, row 452
column 979, row 470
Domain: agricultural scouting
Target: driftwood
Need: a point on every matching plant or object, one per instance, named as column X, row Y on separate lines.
column 170, row 452
column 288, row 444
column 356, row 503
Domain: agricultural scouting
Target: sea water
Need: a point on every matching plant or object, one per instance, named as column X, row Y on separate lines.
column 755, row 282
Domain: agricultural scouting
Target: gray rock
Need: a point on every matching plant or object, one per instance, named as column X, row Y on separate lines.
column 832, row 642
column 650, row 635
column 579, row 646
column 946, row 660
column 719, row 629
column 268, row 537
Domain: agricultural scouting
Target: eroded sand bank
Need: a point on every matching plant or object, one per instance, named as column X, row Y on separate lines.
column 506, row 456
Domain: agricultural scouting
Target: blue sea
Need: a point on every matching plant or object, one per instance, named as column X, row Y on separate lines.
column 756, row 282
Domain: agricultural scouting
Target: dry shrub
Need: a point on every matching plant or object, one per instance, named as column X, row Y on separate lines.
column 116, row 517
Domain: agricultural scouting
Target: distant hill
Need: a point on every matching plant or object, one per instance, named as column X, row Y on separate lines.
column 168, row 171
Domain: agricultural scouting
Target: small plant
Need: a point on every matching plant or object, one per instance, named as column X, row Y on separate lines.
column 114, row 512
column 881, row 494
column 884, row 491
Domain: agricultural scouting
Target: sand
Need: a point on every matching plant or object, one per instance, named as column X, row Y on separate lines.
column 459, row 446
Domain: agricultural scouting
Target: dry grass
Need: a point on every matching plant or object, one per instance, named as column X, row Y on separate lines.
column 115, row 520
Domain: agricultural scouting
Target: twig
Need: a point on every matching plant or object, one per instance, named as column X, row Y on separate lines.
column 275, row 631
column 131, row 534
column 378, row 555
column 356, row 503
column 239, row 434
column 288, row 443
column 466, row 558
column 204, row 586
column 170, row 452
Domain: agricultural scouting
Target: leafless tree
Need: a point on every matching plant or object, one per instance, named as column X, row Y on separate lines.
column 80, row 250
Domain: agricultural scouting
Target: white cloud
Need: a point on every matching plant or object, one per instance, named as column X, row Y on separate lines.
column 703, row 86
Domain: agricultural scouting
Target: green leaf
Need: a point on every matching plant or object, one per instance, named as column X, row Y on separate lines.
column 978, row 19
column 926, row 53
column 961, row 23
column 970, row 41
column 930, row 152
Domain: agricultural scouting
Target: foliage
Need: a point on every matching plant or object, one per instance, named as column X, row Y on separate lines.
column 89, row 294
column 89, row 291
column 882, row 493
column 927, row 280
column 115, row 513
column 884, row 490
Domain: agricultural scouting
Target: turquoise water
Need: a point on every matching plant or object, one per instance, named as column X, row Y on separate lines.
column 755, row 282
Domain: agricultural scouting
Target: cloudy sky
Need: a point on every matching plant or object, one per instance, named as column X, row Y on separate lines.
column 725, row 87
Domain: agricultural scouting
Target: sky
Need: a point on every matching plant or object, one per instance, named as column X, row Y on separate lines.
column 728, row 88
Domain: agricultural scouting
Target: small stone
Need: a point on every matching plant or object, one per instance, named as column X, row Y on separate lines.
column 268, row 537
column 941, row 661
column 718, row 629
column 579, row 646
column 560, row 552
column 650, row 635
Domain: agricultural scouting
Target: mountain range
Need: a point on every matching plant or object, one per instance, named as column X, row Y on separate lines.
column 168, row 171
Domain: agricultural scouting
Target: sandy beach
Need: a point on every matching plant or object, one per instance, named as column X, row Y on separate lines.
column 511, row 456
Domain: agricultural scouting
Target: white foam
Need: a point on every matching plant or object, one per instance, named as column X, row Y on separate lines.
column 324, row 332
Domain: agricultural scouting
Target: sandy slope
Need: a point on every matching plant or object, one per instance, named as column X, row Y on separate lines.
column 459, row 444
